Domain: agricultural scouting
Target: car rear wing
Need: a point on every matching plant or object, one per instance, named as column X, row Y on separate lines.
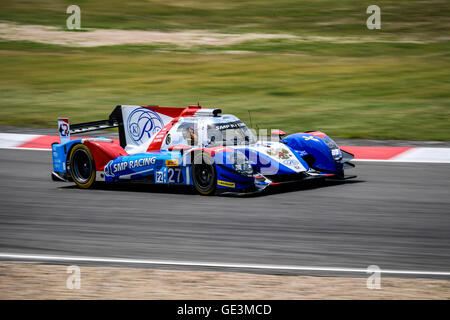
column 115, row 121
column 93, row 126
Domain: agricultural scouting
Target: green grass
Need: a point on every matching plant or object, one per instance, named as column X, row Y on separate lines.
column 384, row 90
column 403, row 97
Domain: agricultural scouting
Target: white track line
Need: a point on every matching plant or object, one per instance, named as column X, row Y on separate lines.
column 44, row 257
column 14, row 139
column 19, row 148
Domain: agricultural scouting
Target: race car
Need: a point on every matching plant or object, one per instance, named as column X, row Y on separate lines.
column 201, row 147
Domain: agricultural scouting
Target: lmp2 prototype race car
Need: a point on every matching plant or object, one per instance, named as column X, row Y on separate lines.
column 216, row 153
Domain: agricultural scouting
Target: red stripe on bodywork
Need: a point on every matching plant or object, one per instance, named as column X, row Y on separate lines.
column 375, row 153
column 155, row 145
column 174, row 112
column 189, row 112
column 213, row 150
column 103, row 152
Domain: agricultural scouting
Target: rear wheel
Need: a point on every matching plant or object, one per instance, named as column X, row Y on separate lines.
column 204, row 174
column 82, row 166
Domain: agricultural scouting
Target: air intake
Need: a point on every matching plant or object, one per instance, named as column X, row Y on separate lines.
column 208, row 112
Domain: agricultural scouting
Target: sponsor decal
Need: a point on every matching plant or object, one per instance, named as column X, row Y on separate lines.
column 230, row 125
column 112, row 169
column 281, row 153
column 335, row 152
column 107, row 169
column 64, row 131
column 310, row 138
column 143, row 124
column 172, row 163
column 290, row 162
column 226, row 184
column 161, row 176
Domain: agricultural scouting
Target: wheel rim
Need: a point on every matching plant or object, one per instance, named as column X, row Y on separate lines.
column 204, row 176
column 81, row 166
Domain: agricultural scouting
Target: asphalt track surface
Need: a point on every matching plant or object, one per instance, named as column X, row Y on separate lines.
column 394, row 215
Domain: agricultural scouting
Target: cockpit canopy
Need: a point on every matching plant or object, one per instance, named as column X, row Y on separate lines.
column 224, row 130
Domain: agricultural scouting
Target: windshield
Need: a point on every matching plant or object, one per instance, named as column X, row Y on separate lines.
column 232, row 132
column 184, row 132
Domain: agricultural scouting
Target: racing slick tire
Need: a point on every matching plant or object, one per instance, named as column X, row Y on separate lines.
column 82, row 166
column 204, row 174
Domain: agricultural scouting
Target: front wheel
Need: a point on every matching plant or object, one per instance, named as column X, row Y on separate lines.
column 204, row 174
column 82, row 166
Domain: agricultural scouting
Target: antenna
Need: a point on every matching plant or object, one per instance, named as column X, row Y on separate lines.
column 250, row 116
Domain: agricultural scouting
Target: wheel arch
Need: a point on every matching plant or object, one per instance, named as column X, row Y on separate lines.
column 92, row 177
column 314, row 145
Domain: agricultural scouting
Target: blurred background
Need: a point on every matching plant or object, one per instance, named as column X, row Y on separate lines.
column 297, row 65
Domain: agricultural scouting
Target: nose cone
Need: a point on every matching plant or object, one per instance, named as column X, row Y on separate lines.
column 274, row 158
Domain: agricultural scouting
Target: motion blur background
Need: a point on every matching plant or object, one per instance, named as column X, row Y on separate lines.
column 297, row 65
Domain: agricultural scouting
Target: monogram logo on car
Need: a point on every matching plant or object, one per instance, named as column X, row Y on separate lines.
column 143, row 124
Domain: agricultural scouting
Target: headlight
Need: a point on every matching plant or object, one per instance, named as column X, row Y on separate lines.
column 241, row 164
column 335, row 151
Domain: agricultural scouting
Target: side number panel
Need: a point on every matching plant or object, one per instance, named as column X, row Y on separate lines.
column 171, row 175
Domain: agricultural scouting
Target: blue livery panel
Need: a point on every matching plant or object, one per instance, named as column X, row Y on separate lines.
column 157, row 167
column 59, row 155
